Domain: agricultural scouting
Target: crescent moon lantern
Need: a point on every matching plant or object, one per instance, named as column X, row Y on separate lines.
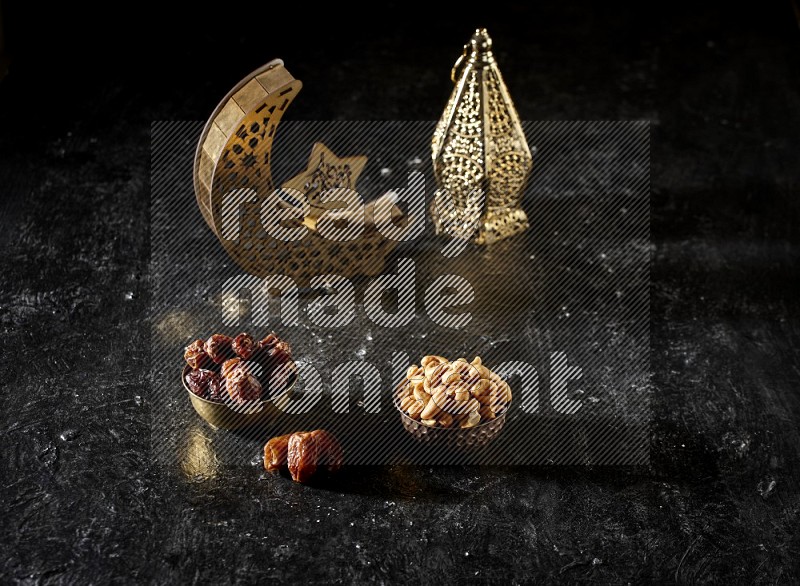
column 233, row 164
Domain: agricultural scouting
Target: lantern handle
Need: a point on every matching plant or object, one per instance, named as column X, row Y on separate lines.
column 454, row 71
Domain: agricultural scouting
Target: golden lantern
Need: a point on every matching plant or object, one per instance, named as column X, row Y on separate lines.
column 481, row 159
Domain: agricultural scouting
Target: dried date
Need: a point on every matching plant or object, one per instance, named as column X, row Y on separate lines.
column 196, row 356
column 229, row 366
column 199, row 380
column 282, row 352
column 273, row 350
column 216, row 389
column 269, row 341
column 302, row 456
column 244, row 345
column 332, row 452
column 242, row 386
column 281, row 378
column 307, row 451
column 219, row 348
column 276, row 451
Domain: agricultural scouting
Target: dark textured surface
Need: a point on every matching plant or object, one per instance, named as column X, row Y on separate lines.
column 82, row 503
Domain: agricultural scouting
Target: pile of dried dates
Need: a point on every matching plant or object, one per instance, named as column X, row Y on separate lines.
column 304, row 453
column 239, row 369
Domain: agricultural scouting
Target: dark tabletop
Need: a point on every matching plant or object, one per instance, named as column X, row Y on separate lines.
column 83, row 498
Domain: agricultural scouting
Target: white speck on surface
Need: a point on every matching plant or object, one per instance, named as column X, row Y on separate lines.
column 129, row 295
column 68, row 435
column 386, row 171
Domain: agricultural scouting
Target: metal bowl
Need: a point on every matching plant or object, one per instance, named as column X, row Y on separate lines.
column 230, row 416
column 451, row 437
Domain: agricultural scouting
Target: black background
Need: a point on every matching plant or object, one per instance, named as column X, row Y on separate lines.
column 81, row 502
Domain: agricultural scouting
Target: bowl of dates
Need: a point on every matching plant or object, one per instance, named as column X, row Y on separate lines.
column 234, row 382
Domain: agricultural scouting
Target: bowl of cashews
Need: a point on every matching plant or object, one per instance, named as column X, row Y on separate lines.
column 461, row 403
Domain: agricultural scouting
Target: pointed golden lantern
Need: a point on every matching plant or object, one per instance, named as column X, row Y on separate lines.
column 481, row 159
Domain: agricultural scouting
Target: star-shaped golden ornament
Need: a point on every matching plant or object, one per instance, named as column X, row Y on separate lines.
column 325, row 171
